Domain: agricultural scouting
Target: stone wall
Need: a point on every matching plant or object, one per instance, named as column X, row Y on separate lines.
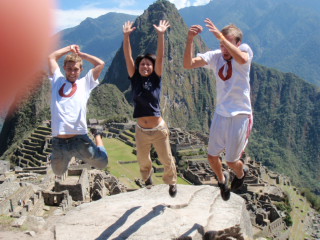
column 20, row 201
column 98, row 189
column 79, row 191
column 34, row 151
column 60, row 199
column 4, row 167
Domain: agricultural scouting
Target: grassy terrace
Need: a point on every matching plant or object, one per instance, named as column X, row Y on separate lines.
column 126, row 173
column 300, row 208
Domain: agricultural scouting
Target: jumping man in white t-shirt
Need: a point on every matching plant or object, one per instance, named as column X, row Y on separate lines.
column 232, row 122
column 70, row 95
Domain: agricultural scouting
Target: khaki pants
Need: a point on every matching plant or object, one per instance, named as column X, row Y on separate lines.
column 159, row 138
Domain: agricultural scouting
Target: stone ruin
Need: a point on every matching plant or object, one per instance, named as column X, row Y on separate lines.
column 260, row 196
column 34, row 150
column 32, row 189
column 19, row 199
column 191, row 157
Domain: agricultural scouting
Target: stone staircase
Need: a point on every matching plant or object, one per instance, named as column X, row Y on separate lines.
column 34, row 150
column 124, row 135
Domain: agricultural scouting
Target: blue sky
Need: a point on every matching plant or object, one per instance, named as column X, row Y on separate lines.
column 69, row 13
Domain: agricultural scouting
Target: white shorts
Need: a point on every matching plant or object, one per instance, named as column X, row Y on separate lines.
column 230, row 134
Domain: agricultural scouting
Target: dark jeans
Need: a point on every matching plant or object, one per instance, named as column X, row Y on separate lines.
column 81, row 147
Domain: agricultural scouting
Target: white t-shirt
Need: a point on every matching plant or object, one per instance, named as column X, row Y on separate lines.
column 233, row 95
column 68, row 113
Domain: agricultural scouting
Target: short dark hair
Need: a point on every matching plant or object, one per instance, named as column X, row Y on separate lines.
column 148, row 56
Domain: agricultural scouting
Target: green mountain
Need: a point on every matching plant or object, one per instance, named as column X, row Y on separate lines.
column 187, row 99
column 108, row 102
column 286, row 125
column 33, row 110
column 284, row 34
column 286, row 128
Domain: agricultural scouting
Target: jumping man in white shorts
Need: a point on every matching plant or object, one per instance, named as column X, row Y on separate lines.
column 232, row 122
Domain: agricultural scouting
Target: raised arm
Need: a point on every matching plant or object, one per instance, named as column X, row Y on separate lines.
column 56, row 55
column 235, row 52
column 190, row 62
column 127, row 30
column 95, row 61
column 161, row 29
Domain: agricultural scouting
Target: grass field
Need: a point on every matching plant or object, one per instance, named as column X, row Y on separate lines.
column 127, row 173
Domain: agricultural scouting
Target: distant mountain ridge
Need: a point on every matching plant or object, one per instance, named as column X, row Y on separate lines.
column 284, row 34
column 100, row 37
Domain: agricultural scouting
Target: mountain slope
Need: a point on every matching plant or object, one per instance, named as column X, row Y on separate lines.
column 107, row 102
column 283, row 34
column 286, row 125
column 100, row 37
column 31, row 112
column 187, row 99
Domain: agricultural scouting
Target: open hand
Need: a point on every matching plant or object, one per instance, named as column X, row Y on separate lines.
column 127, row 28
column 163, row 26
column 213, row 28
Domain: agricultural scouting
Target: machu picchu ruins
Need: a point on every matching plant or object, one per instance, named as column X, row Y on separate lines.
column 29, row 188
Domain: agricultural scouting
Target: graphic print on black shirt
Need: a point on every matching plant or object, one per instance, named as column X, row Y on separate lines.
column 147, row 85
column 146, row 95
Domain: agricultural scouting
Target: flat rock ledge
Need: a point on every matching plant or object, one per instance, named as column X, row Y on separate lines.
column 197, row 212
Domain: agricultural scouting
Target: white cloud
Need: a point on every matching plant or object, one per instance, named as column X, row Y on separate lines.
column 73, row 17
column 200, row 2
column 181, row 3
column 126, row 3
column 187, row 3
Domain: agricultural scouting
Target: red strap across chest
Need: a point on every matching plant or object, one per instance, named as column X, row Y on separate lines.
column 73, row 90
column 229, row 72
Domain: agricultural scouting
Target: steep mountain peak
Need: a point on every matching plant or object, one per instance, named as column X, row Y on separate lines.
column 186, row 93
column 145, row 32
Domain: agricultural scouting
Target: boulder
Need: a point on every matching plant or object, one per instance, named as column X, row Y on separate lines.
column 195, row 213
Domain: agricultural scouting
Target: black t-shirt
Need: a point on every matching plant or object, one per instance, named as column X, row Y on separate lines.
column 146, row 95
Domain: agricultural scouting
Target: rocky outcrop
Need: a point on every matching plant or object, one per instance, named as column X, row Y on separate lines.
column 153, row 214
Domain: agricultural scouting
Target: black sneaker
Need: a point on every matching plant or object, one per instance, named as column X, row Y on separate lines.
column 173, row 190
column 236, row 182
column 149, row 182
column 224, row 187
column 96, row 132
